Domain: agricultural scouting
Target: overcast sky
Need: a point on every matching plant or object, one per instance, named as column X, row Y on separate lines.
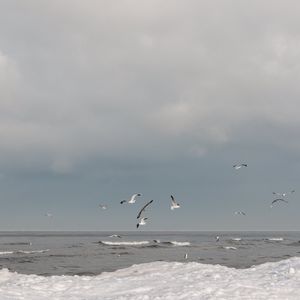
column 103, row 99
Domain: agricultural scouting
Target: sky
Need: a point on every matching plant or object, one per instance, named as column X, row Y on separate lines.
column 103, row 99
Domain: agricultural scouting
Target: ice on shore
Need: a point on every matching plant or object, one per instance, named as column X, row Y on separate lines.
column 161, row 280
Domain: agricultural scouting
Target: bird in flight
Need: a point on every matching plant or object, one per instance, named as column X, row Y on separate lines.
column 238, row 166
column 174, row 204
column 141, row 222
column 240, row 213
column 132, row 199
column 283, row 194
column 103, row 206
column 49, row 215
column 278, row 200
column 143, row 209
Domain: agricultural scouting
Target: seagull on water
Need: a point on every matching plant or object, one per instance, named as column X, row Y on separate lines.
column 174, row 204
column 143, row 209
column 283, row 194
column 238, row 166
column 141, row 222
column 103, row 206
column 132, row 199
column 278, row 200
column 240, row 213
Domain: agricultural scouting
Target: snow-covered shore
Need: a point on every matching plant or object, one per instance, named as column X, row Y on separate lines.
column 161, row 280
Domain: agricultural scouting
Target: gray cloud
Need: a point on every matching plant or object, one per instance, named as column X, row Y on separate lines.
column 145, row 80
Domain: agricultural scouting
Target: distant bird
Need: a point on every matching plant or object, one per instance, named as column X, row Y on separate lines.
column 115, row 236
column 132, row 199
column 283, row 194
column 103, row 206
column 185, row 256
column 143, row 209
column 240, row 213
column 49, row 215
column 278, row 200
column 174, row 204
column 238, row 166
column 217, row 238
column 141, row 222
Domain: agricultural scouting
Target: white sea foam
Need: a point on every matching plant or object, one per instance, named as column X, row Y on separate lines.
column 133, row 243
column 275, row 239
column 175, row 243
column 6, row 252
column 236, row 239
column 230, row 248
column 31, row 251
column 162, row 280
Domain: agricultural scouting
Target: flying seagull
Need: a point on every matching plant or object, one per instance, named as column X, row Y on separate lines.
column 141, row 222
column 238, row 166
column 283, row 194
column 103, row 206
column 278, row 200
column 240, row 213
column 132, row 199
column 143, row 209
column 49, row 215
column 174, row 204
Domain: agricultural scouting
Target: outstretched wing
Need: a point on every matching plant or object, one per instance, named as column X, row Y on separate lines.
column 143, row 208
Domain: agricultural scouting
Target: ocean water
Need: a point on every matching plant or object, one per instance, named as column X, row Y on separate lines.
column 91, row 253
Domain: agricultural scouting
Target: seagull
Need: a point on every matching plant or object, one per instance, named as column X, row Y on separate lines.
column 238, row 166
column 141, row 222
column 132, row 199
column 283, row 194
column 174, row 204
column 49, row 215
column 240, row 213
column 143, row 209
column 185, row 256
column 217, row 238
column 277, row 200
column 103, row 206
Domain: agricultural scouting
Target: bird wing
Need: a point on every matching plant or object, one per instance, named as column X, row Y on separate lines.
column 173, row 200
column 143, row 208
column 132, row 199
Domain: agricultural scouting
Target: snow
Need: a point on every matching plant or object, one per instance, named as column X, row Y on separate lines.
column 161, row 280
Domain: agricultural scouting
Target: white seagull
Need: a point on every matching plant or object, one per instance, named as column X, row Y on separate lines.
column 278, row 200
column 141, row 222
column 238, row 166
column 132, row 199
column 283, row 194
column 217, row 238
column 174, row 204
column 143, row 209
column 49, row 215
column 103, row 206
column 240, row 213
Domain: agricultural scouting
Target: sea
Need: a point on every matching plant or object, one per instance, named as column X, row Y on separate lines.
column 92, row 253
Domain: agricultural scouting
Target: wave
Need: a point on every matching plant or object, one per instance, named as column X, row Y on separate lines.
column 236, row 239
column 6, row 252
column 23, row 252
column 175, row 243
column 133, row 243
column 230, row 248
column 31, row 251
column 275, row 239
column 162, row 280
